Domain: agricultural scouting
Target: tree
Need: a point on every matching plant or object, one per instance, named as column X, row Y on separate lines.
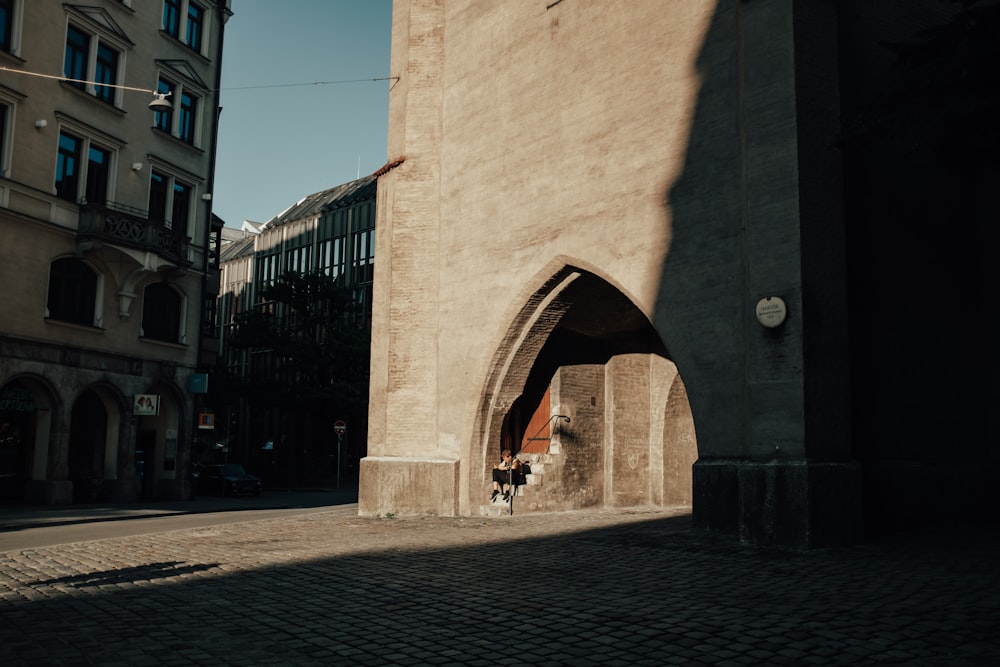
column 318, row 350
column 310, row 348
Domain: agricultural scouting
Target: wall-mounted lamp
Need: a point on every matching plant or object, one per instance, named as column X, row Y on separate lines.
column 137, row 166
column 40, row 123
column 160, row 102
column 207, row 196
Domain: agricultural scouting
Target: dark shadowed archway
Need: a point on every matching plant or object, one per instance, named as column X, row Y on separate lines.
column 87, row 440
column 27, row 409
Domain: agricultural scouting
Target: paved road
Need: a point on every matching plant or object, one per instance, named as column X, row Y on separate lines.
column 23, row 528
column 626, row 588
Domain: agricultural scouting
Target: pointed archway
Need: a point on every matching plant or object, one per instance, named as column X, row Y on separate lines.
column 627, row 437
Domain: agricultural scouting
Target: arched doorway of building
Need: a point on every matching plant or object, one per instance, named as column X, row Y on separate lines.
column 585, row 388
column 25, row 425
column 94, row 435
column 87, row 436
column 17, row 425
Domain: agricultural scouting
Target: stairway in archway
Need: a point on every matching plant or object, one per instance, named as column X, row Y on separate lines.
column 540, row 492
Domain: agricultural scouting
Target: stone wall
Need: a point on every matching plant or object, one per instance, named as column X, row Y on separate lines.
column 651, row 154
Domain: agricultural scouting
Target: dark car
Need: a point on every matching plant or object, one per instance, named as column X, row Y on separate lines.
column 227, row 479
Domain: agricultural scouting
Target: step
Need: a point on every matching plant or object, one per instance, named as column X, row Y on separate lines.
column 537, row 459
column 539, row 468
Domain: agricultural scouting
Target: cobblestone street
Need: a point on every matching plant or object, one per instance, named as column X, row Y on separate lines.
column 630, row 588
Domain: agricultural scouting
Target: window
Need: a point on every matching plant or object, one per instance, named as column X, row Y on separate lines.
column 333, row 231
column 77, row 48
column 209, row 316
column 331, row 257
column 339, row 262
column 158, row 196
column 298, row 251
column 196, row 17
column 298, row 259
column 98, row 172
column 266, row 271
column 323, row 249
column 184, row 123
column 181, row 207
column 184, row 20
column 68, row 167
column 72, row 292
column 170, row 201
column 92, row 58
column 106, row 72
column 164, row 120
column 172, row 18
column 363, row 297
column 364, row 256
column 7, row 25
column 3, row 138
column 161, row 313
column 76, row 179
column 347, row 251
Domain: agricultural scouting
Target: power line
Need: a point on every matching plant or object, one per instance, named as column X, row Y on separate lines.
column 154, row 92
column 311, row 83
column 70, row 80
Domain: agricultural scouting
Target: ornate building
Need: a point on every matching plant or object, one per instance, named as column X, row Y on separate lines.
column 108, row 128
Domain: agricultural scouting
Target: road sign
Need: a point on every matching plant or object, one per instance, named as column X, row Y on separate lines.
column 339, row 426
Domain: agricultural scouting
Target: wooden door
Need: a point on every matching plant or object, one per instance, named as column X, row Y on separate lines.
column 538, row 433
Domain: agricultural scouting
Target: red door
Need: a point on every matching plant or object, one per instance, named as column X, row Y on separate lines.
column 539, row 430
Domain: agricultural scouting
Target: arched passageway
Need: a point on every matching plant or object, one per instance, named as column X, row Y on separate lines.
column 87, row 443
column 18, row 411
column 26, row 414
column 585, row 370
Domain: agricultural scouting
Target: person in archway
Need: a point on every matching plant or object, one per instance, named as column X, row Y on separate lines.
column 505, row 473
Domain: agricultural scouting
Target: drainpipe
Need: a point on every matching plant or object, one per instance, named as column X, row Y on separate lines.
column 222, row 16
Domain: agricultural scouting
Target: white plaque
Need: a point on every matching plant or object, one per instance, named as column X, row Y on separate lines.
column 771, row 311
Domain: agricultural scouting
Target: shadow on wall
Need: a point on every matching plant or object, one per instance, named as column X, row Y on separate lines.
column 892, row 330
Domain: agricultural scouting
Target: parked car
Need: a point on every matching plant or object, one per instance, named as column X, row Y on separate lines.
column 226, row 479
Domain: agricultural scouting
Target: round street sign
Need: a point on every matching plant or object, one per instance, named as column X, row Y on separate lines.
column 340, row 426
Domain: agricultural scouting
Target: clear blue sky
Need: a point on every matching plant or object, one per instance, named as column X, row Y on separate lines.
column 280, row 142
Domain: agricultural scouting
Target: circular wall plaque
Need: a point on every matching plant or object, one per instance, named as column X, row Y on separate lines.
column 771, row 311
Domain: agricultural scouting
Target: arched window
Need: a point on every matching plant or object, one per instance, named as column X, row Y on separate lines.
column 161, row 313
column 72, row 292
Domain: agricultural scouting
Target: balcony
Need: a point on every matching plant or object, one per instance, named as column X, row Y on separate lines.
column 119, row 225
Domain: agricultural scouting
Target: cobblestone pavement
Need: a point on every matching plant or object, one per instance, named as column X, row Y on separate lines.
column 627, row 588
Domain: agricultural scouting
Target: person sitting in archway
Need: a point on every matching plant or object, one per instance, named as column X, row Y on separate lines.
column 506, row 473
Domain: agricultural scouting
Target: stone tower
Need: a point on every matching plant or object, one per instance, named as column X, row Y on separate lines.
column 592, row 204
